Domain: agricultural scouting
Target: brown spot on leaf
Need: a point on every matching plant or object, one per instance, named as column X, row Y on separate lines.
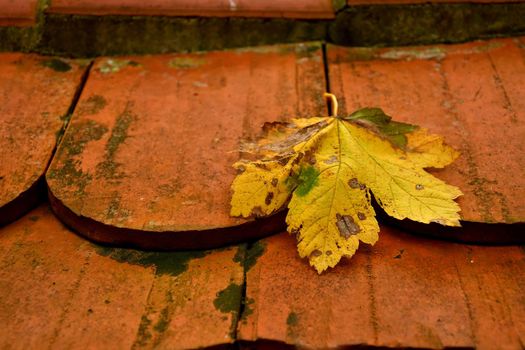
column 316, row 253
column 274, row 182
column 268, row 199
column 261, row 165
column 328, row 252
column 331, row 160
column 284, row 159
column 257, row 212
column 309, row 157
column 347, row 226
column 419, row 187
column 353, row 183
column 362, row 186
column 361, row 216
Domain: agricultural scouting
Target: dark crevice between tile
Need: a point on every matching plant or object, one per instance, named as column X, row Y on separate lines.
column 247, row 256
column 72, row 106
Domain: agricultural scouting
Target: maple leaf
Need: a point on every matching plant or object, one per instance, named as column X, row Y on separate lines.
column 325, row 169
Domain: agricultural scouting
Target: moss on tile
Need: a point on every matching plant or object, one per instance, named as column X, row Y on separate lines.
column 229, row 300
column 56, row 64
column 165, row 263
column 253, row 254
column 73, row 35
column 186, row 62
column 393, row 25
column 90, row 106
column 119, row 133
column 292, row 319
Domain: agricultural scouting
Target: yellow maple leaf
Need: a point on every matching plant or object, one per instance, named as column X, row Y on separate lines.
column 326, row 170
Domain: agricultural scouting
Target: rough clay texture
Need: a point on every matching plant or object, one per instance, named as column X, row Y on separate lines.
column 152, row 139
column 35, row 95
column 472, row 94
column 222, row 8
column 19, row 13
column 404, row 292
column 60, row 291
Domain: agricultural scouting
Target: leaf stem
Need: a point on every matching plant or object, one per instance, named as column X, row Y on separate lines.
column 333, row 101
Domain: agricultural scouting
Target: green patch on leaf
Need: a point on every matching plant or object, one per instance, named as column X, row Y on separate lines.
column 379, row 122
column 308, row 177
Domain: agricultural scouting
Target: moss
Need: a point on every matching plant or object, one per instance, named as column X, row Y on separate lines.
column 292, row 319
column 165, row 263
column 92, row 105
column 79, row 134
column 143, row 335
column 393, row 25
column 186, row 62
column 377, row 25
column 114, row 206
column 240, row 255
column 67, row 172
column 113, row 65
column 119, row 133
column 108, row 167
column 163, row 322
column 56, row 64
column 248, row 310
column 68, row 176
column 254, row 253
column 247, row 256
column 24, row 39
column 73, row 35
column 229, row 300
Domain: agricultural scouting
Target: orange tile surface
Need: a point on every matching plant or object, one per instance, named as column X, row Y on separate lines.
column 60, row 291
column 404, row 292
column 472, row 94
column 152, row 141
column 18, row 13
column 35, row 95
column 311, row 9
column 406, row 2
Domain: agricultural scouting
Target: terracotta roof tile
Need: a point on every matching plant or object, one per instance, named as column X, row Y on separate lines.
column 405, row 292
column 35, row 95
column 19, row 13
column 311, row 9
column 470, row 94
column 152, row 141
column 59, row 291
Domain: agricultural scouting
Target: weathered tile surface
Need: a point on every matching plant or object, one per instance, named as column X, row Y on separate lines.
column 152, row 140
column 208, row 8
column 405, row 291
column 408, row 2
column 471, row 93
column 59, row 291
column 35, row 94
column 18, row 13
